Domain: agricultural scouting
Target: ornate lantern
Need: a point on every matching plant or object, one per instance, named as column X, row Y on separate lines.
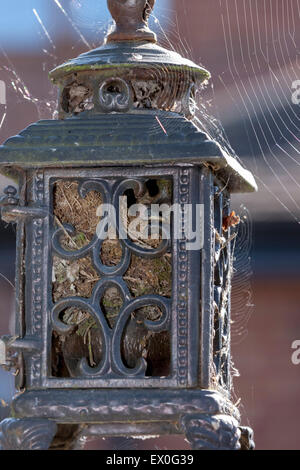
column 122, row 335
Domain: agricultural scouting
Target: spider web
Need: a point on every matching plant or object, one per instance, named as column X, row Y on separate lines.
column 262, row 64
column 270, row 58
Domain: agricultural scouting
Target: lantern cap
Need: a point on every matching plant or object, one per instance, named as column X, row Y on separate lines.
column 131, row 43
column 116, row 56
column 129, row 71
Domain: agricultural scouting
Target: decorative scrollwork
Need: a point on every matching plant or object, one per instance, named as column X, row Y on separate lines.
column 160, row 325
column 111, row 195
column 111, row 364
column 121, row 230
column 115, row 95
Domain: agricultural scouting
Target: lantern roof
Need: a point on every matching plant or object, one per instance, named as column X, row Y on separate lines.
column 129, row 102
column 140, row 138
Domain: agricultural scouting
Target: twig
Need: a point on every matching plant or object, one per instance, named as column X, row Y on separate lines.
column 65, row 231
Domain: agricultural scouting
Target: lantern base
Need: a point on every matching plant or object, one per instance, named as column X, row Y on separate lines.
column 26, row 434
column 207, row 418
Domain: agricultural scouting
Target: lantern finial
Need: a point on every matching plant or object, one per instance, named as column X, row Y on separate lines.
column 131, row 17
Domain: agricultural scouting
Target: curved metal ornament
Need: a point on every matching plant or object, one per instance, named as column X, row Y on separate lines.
column 124, row 315
column 121, row 230
column 115, row 95
column 111, row 365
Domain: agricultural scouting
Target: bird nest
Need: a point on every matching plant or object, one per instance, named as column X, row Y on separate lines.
column 78, row 277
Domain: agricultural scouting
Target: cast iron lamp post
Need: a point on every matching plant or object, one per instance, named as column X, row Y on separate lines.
column 125, row 127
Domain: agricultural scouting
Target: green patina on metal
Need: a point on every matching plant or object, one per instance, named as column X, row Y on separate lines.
column 129, row 55
column 69, row 69
column 141, row 138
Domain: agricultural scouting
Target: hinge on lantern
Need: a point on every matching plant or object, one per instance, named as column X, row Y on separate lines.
column 11, row 345
column 11, row 211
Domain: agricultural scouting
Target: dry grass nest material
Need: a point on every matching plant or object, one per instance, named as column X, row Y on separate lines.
column 79, row 277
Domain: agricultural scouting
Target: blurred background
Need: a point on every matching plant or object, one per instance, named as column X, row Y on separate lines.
column 251, row 48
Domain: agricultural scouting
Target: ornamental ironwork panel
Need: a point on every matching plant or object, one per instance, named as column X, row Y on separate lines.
column 49, row 241
column 216, row 271
column 222, row 289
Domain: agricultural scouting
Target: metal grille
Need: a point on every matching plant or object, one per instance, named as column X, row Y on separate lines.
column 111, row 365
column 43, row 315
column 222, row 290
